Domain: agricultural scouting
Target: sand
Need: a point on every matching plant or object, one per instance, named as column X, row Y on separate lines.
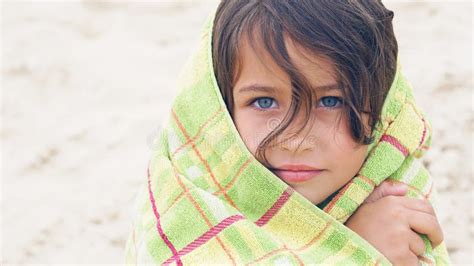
column 86, row 84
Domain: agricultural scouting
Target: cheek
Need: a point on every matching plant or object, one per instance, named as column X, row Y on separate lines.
column 339, row 133
column 252, row 129
column 350, row 153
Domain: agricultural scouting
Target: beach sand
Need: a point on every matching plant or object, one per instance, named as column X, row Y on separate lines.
column 85, row 86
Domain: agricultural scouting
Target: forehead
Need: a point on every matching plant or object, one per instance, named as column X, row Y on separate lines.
column 256, row 63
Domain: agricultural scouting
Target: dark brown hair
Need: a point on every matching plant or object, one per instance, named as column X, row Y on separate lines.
column 357, row 36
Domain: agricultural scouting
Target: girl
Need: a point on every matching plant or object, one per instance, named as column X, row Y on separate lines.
column 289, row 116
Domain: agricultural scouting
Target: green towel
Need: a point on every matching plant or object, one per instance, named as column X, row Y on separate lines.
column 207, row 200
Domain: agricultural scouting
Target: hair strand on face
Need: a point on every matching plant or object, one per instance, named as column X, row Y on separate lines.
column 357, row 36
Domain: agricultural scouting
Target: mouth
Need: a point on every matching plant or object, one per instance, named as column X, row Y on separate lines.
column 296, row 173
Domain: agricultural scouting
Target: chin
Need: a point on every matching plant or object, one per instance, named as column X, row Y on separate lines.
column 311, row 191
column 315, row 199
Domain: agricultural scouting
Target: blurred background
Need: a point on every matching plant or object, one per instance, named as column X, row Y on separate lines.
column 85, row 85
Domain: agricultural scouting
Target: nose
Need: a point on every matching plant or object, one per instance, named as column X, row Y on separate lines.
column 299, row 138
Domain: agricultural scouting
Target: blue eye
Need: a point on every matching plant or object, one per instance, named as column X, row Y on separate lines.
column 331, row 101
column 264, row 103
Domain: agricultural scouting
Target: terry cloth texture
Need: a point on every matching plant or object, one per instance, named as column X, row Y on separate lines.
column 207, row 200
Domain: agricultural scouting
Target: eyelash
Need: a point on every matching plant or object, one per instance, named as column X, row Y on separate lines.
column 254, row 101
column 338, row 104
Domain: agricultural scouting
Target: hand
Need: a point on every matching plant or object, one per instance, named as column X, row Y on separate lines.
column 389, row 221
column 386, row 188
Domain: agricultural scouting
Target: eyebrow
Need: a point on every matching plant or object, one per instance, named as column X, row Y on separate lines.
column 270, row 89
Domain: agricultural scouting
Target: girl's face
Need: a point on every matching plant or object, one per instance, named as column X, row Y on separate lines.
column 322, row 157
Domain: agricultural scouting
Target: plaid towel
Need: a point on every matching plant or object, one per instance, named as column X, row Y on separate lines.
column 207, row 200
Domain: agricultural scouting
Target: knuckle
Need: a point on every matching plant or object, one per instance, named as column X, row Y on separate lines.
column 396, row 211
column 430, row 207
column 420, row 246
column 440, row 236
column 426, row 205
column 441, row 239
column 411, row 260
column 399, row 235
column 391, row 200
column 403, row 258
column 384, row 184
column 406, row 258
column 434, row 222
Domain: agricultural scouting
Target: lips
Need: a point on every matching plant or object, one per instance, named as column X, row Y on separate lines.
column 296, row 173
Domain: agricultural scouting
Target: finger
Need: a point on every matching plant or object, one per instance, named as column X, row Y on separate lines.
column 427, row 224
column 421, row 205
column 410, row 260
column 386, row 188
column 416, row 244
column 395, row 189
